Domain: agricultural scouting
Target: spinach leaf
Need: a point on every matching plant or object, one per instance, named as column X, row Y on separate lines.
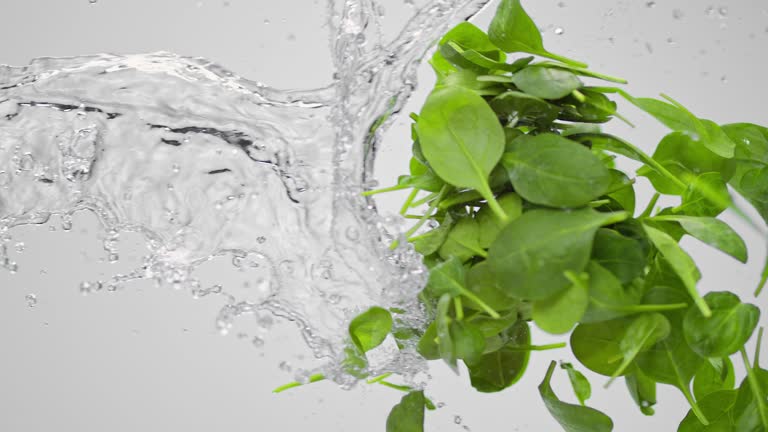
column 706, row 195
column 580, row 384
column 607, row 298
column 573, row 418
column 532, row 253
column 718, row 407
column 468, row 36
column 598, row 345
column 621, row 190
column 430, row 242
column 642, row 389
column 681, row 263
column 672, row 361
column 644, row 331
column 572, row 176
column 726, row 331
column 559, row 313
column 447, row 277
column 715, row 375
column 445, row 342
column 462, row 241
column 680, row 154
column 408, row 415
column 546, row 83
column 369, row 329
column 489, row 224
column 515, row 107
column 482, row 282
column 623, row 256
column 427, row 345
column 500, row 369
column 462, row 139
column 704, row 132
column 713, row 232
column 468, row 341
column 513, row 30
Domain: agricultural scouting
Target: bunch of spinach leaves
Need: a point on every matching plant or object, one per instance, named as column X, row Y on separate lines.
column 532, row 224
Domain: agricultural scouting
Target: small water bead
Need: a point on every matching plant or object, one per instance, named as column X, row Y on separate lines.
column 724, row 79
column 722, row 11
column 31, row 300
column 267, row 22
column 650, row 4
column 257, row 342
column 176, row 168
column 19, row 247
column 291, row 37
column 677, row 14
column 66, row 222
column 285, row 366
column 93, row 1
column 559, row 31
column 261, row 239
column 457, row 419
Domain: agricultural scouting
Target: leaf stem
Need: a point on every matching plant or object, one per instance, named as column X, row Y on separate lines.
column 424, row 200
column 649, row 208
column 423, row 219
column 408, row 201
column 312, row 379
column 526, row 348
column 757, row 347
column 386, row 189
column 755, row 387
column 489, row 310
column 562, row 59
column 402, row 388
column 494, row 205
column 694, row 406
column 459, row 308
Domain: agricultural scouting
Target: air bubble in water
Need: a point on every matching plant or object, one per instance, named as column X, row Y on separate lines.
column 285, row 366
column 559, row 31
column 257, row 342
column 31, row 300
column 19, row 247
column 457, row 419
column 723, row 11
column 261, row 239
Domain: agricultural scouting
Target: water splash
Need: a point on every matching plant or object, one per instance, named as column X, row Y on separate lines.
column 203, row 163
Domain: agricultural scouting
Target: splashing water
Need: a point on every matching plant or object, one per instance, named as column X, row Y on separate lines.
column 203, row 163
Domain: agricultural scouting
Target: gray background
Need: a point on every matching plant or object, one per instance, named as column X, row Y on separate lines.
column 149, row 359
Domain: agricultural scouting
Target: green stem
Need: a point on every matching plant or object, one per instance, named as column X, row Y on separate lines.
column 379, row 378
column 562, row 59
column 402, row 388
column 599, row 203
column 415, row 216
column 386, row 189
column 579, row 96
column 620, row 187
column 408, row 201
column 624, row 119
column 649, row 307
column 649, row 207
column 526, row 348
column 459, row 308
column 755, row 387
column 460, row 198
column 694, row 406
column 757, row 347
column 424, row 200
column 424, row 218
column 312, row 379
column 489, row 310
column 494, row 205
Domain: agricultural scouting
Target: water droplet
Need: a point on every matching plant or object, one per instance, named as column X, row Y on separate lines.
column 291, row 37
column 441, row 404
column 176, row 168
column 86, row 288
column 267, row 22
column 113, row 257
column 261, row 239
column 12, row 267
column 457, row 419
column 66, row 222
column 724, row 79
column 257, row 342
column 559, row 31
column 650, row 4
column 19, row 247
column 723, row 11
column 93, row 1
column 285, row 366
column 677, row 14
column 561, row 4
column 671, row 41
column 649, row 47
column 31, row 300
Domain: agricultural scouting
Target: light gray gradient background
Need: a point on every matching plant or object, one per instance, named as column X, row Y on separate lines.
column 149, row 359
